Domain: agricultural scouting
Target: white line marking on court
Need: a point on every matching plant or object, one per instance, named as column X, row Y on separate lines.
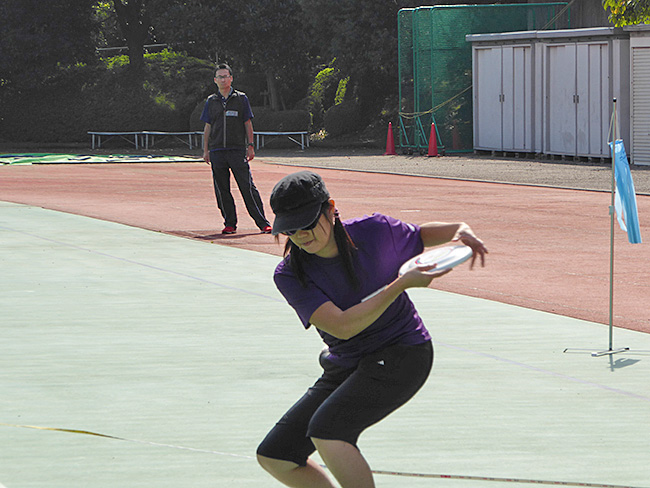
column 379, row 472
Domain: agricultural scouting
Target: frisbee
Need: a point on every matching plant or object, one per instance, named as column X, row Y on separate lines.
column 444, row 258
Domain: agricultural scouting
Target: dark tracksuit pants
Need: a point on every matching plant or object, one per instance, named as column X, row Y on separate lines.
column 234, row 160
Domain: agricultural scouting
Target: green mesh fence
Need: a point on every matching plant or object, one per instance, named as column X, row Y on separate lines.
column 435, row 65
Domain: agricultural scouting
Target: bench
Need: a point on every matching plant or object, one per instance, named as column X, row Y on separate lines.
column 146, row 138
column 97, row 137
column 188, row 138
column 304, row 137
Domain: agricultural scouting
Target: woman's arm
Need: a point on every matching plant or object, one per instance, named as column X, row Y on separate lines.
column 344, row 324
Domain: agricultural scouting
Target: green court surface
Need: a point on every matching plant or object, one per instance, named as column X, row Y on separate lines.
column 184, row 354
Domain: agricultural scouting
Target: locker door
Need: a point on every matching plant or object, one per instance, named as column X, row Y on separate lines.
column 592, row 100
column 507, row 97
column 560, row 102
column 517, row 101
column 487, row 103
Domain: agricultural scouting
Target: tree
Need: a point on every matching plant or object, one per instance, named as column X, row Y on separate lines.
column 262, row 35
column 276, row 40
column 628, row 12
column 39, row 36
column 362, row 36
column 202, row 28
column 135, row 23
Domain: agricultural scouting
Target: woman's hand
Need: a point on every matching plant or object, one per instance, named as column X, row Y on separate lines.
column 421, row 276
column 467, row 237
column 437, row 233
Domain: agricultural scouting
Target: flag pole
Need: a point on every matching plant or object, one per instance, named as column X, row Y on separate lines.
column 611, row 349
column 622, row 188
column 611, row 237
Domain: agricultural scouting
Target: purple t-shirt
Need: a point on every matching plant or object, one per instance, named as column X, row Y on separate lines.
column 383, row 244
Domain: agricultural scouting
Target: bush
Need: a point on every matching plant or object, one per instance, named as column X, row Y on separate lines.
column 195, row 122
column 322, row 93
column 81, row 99
column 180, row 79
column 266, row 119
column 342, row 119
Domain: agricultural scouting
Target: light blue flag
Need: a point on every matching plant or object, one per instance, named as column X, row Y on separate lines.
column 625, row 197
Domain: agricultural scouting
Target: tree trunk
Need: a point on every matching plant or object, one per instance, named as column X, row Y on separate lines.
column 272, row 87
column 134, row 23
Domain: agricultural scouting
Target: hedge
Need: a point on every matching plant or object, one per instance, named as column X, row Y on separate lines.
column 87, row 98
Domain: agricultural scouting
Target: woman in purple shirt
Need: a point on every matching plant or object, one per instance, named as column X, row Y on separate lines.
column 378, row 353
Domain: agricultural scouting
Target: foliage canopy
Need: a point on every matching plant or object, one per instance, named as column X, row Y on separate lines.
column 628, row 12
column 36, row 41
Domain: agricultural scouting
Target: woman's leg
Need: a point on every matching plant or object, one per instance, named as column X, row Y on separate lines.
column 383, row 382
column 346, row 463
column 312, row 475
column 286, row 449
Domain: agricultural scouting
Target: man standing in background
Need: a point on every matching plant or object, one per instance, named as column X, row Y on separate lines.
column 228, row 146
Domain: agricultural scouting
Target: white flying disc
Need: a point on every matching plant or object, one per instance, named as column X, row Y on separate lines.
column 443, row 257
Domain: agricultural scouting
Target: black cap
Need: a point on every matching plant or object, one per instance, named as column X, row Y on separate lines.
column 296, row 201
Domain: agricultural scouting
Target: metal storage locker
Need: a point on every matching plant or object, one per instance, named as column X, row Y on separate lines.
column 585, row 69
column 577, row 98
column 503, row 97
column 639, row 148
column 569, row 86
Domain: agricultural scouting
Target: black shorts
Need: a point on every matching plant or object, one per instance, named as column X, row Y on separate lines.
column 344, row 402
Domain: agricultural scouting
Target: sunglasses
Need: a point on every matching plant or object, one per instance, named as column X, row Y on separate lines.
column 311, row 226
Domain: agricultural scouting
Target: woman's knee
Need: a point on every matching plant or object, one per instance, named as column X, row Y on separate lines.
column 332, row 444
column 275, row 466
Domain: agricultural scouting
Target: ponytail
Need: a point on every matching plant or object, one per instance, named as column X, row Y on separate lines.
column 347, row 250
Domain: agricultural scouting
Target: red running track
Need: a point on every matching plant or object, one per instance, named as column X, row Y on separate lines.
column 549, row 248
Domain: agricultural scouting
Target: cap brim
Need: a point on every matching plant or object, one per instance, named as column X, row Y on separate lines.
column 296, row 220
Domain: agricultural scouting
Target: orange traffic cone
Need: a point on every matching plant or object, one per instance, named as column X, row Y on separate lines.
column 433, row 142
column 390, row 142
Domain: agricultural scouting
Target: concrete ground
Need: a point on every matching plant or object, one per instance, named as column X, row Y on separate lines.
column 172, row 348
column 134, row 357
